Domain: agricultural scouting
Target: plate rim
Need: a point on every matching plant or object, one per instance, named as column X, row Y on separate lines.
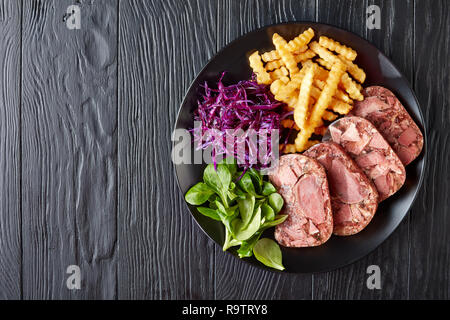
column 424, row 149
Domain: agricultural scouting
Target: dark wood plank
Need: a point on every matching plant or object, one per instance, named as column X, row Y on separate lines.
column 429, row 277
column 236, row 279
column 69, row 131
column 395, row 40
column 163, row 254
column 10, row 219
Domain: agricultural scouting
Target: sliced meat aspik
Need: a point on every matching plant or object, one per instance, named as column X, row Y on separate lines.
column 382, row 108
column 302, row 182
column 354, row 198
column 371, row 152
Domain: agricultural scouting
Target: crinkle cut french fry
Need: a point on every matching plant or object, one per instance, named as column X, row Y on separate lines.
column 321, row 73
column 336, row 105
column 301, row 109
column 273, row 54
column 340, row 107
column 270, row 56
column 275, row 87
column 302, row 138
column 351, row 87
column 308, row 54
column 256, row 64
column 285, row 79
column 290, row 100
column 301, row 40
column 340, row 95
column 335, row 46
column 356, row 72
column 288, row 148
column 294, row 84
column 300, row 50
column 329, row 116
column 279, row 73
column 289, row 123
column 327, row 93
column 352, row 68
column 319, row 108
column 275, row 64
column 286, row 56
column 324, row 53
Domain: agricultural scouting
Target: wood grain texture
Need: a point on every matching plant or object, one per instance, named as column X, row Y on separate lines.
column 85, row 125
column 163, row 45
column 10, row 219
column 235, row 279
column 429, row 276
column 69, row 139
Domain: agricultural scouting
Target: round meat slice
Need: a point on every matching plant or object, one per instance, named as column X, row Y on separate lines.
column 382, row 108
column 364, row 144
column 302, row 182
column 354, row 198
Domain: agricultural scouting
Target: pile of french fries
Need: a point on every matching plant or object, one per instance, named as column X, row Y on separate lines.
column 324, row 87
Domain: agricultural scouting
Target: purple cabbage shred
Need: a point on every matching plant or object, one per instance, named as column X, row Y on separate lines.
column 246, row 105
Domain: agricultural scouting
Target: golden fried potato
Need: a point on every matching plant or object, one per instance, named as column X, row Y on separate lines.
column 321, row 73
column 329, row 116
column 256, row 64
column 276, row 86
column 302, row 138
column 275, row 64
column 279, row 73
column 336, row 105
column 305, row 56
column 315, row 119
column 270, row 56
column 300, row 50
column 296, row 80
column 285, row 79
column 289, row 123
column 335, row 46
column 324, row 53
column 340, row 107
column 301, row 109
column 327, row 93
column 356, row 72
column 351, row 87
column 301, row 40
column 286, row 56
column 315, row 93
column 288, row 148
column 340, row 95
column 290, row 100
column 273, row 54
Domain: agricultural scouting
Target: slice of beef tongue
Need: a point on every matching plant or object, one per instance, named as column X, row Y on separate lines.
column 364, row 144
column 382, row 108
column 354, row 199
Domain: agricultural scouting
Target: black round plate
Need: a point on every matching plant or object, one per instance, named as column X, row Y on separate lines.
column 338, row 251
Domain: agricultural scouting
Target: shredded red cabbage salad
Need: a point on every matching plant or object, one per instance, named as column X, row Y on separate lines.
column 248, row 106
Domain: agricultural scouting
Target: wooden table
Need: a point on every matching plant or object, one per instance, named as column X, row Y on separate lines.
column 85, row 140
